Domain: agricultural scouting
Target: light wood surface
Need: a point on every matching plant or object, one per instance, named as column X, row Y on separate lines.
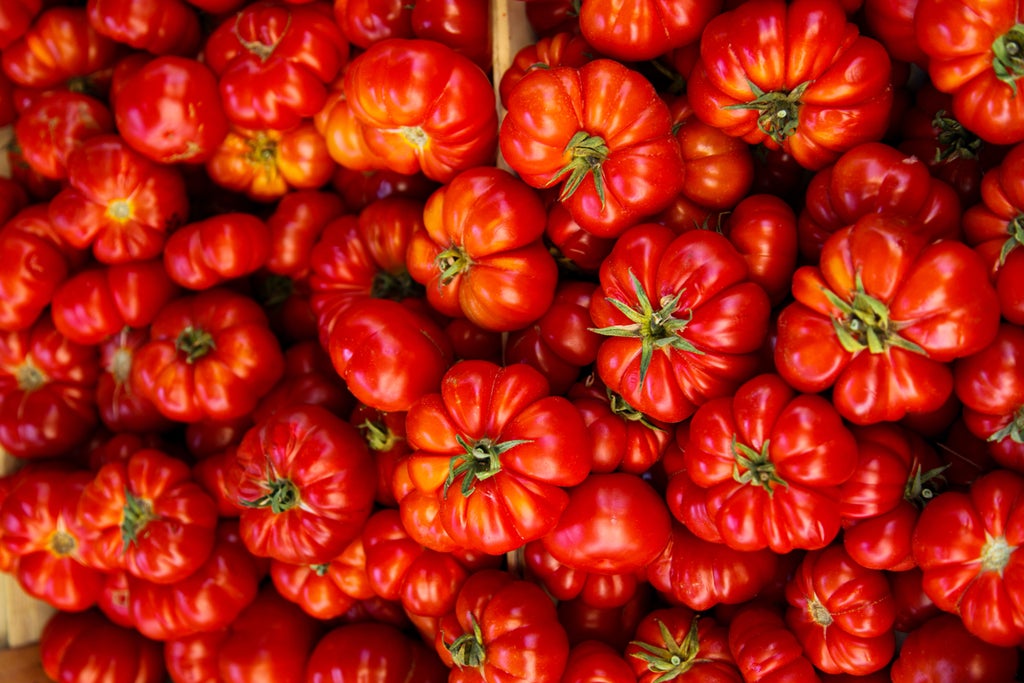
column 21, row 665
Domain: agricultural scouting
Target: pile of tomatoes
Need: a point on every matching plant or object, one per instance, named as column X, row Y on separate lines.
column 687, row 347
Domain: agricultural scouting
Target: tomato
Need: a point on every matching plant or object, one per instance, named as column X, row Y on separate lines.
column 794, row 76
column 875, row 178
column 764, row 229
column 766, row 650
column 972, row 54
column 841, row 613
column 676, row 644
column 209, row 252
column 364, row 22
column 47, row 391
column 118, row 202
column 208, row 599
column 172, row 29
column 325, row 590
column 700, row 574
column 297, row 222
column 481, row 256
column 966, row 545
column 942, row 651
column 60, row 46
column 995, row 228
column 384, row 433
column 562, row 582
column 360, row 188
column 575, row 249
column 891, row 22
column 305, row 483
column 990, row 387
column 308, row 378
column 214, row 474
column 273, row 62
column 54, row 124
column 210, row 355
column 193, row 659
column 463, row 25
column 594, row 533
column 772, row 461
column 502, row 628
column 374, row 651
column 169, row 110
column 425, row 107
column 41, row 529
column 595, row 662
column 496, row 452
column 674, row 344
column 603, row 130
column 15, row 19
column 76, row 646
column 636, row 30
column 559, row 49
column 882, row 317
column 97, row 302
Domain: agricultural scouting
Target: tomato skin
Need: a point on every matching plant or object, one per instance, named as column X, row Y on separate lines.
column 573, row 247
column 701, row 651
column 169, row 110
column 327, row 590
column 975, row 571
column 539, row 446
column 719, row 326
column 309, row 378
column 842, row 613
column 644, row 29
column 510, row 626
column 210, row 355
column 480, row 255
column 95, row 303
column 76, row 646
column 942, row 651
column 273, row 62
column 920, row 285
column 47, row 391
column 53, row 124
column 305, row 483
column 836, row 81
column 425, row 107
column 118, row 202
column 193, row 659
column 559, row 49
column 15, row 19
column 297, row 222
column 766, row 650
column 960, row 38
column 172, row 29
column 29, row 237
column 365, row 22
column 593, row 661
column 562, row 582
column 375, row 650
column 209, row 252
column 608, row 118
column 763, row 228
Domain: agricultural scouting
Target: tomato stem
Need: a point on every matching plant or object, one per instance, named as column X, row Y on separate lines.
column 320, row 569
column 955, row 141
column 1014, row 429
column 451, row 262
column 482, row 460
column 1008, row 56
column 671, row 659
column 779, row 110
column 378, row 436
column 275, row 290
column 656, row 329
column 29, row 377
column 995, row 554
column 62, row 543
column 137, row 513
column 819, row 613
column 282, row 495
column 586, row 153
column 619, row 406
column 757, row 467
column 922, row 486
column 1016, row 230
column 865, row 323
column 394, row 286
column 194, row 343
column 468, row 649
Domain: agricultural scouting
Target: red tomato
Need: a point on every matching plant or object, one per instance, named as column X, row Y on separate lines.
column 325, row 590
column 305, row 483
column 496, row 451
column 595, row 662
column 766, row 650
column 942, row 651
column 842, row 613
column 602, row 130
column 636, row 30
column 425, row 107
column 210, row 252
column 674, row 344
column 147, row 516
column 559, row 49
column 574, row 248
column 54, row 124
column 77, row 646
column 15, row 19
column 795, row 76
column 481, row 256
column 763, row 228
column 365, row 22
column 675, row 644
column 171, row 28
column 562, row 582
column 463, row 25
column 881, row 318
column 297, row 222
column 308, row 378
column 373, row 651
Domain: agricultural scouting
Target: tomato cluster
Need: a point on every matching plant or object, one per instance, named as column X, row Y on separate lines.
column 685, row 348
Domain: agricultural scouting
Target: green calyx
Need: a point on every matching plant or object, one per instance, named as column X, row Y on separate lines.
column 282, row 495
column 778, row 111
column 1008, row 56
column 451, row 262
column 377, row 435
column 468, row 649
column 481, row 460
column 276, row 289
column 619, row 406
column 586, row 156
column 755, row 467
column 955, row 141
column 864, row 323
column 137, row 513
column 1015, row 229
column 194, row 343
column 1014, row 429
column 671, row 659
column 922, row 486
column 395, row 286
column 659, row 329
column 29, row 377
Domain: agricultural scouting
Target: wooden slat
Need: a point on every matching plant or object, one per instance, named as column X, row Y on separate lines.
column 510, row 32
column 21, row 665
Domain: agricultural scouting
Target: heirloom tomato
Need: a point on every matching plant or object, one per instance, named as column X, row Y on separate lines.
column 209, row 252
column 941, row 650
column 209, row 355
column 146, row 515
column 502, row 628
column 684, row 323
column 308, row 377
column 118, row 202
column 170, row 28
column 481, row 256
column 675, row 644
column 967, row 544
column 766, row 650
column 423, row 106
column 15, row 19
column 305, row 483
column 297, row 222
column 53, row 124
column 772, row 461
column 635, row 30
column 842, row 613
column 86, row 646
column 47, row 391
column 974, row 53
column 882, row 316
column 373, row 651
column 796, row 76
column 592, row 661
column 121, row 408
column 365, row 22
column 763, row 228
column 559, row 49
column 328, row 589
column 562, row 582
column 273, row 62
column 575, row 249
column 497, row 451
column 602, row 134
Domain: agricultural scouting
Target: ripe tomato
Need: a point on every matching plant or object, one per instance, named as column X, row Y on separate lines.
column 209, row 252
column 171, row 29
column 766, row 650
column 560, row 49
column 675, row 644
column 121, row 408
column 77, row 646
column 941, row 650
column 373, row 651
column 53, row 124
column 325, row 590
column 636, row 30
